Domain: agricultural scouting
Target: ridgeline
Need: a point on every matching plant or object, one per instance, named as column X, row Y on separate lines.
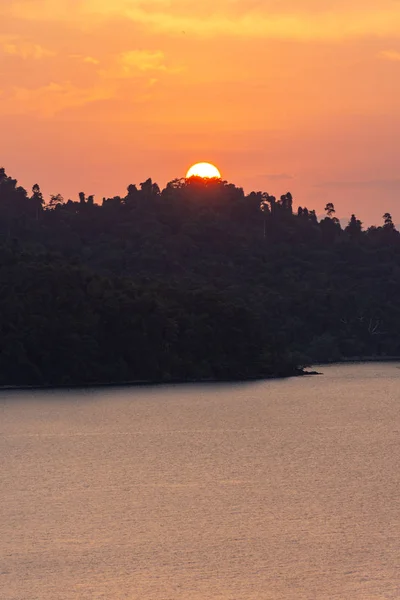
column 195, row 282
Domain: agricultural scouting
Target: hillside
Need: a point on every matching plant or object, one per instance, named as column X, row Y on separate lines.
column 197, row 281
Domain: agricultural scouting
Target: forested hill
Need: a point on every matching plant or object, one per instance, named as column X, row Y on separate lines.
column 197, row 281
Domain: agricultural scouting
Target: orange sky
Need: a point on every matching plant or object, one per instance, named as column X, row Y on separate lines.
column 299, row 95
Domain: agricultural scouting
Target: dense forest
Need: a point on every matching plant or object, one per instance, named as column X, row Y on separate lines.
column 193, row 282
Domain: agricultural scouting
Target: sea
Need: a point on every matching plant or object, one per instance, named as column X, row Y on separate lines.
column 271, row 490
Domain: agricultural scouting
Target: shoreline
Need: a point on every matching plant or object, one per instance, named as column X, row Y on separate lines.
column 159, row 383
column 152, row 383
column 365, row 359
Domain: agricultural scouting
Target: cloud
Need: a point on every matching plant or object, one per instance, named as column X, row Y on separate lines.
column 256, row 19
column 380, row 184
column 136, row 64
column 75, row 80
column 90, row 60
column 130, row 73
column 16, row 46
column 279, row 176
column 36, row 10
column 392, row 55
column 142, row 60
column 51, row 99
column 269, row 19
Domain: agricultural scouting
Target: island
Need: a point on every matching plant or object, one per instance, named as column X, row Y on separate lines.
column 198, row 281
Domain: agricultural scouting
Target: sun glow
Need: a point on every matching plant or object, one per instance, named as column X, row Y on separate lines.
column 205, row 170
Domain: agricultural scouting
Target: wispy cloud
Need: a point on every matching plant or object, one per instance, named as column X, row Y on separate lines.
column 46, row 101
column 287, row 19
column 279, row 176
column 91, row 60
column 136, row 64
column 381, row 184
column 392, row 55
column 142, row 60
column 26, row 49
column 256, row 19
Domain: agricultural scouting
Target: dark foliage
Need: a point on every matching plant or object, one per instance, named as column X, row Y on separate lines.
column 196, row 281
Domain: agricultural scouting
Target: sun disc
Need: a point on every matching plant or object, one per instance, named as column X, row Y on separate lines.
column 205, row 170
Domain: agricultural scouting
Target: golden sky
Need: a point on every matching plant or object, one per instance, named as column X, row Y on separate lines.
column 299, row 95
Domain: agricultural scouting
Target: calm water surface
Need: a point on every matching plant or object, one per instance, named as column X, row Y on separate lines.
column 273, row 490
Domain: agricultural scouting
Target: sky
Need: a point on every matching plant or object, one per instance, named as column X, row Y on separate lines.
column 281, row 95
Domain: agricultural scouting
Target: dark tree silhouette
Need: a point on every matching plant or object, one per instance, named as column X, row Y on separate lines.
column 330, row 209
column 195, row 281
column 354, row 228
column 56, row 200
column 388, row 222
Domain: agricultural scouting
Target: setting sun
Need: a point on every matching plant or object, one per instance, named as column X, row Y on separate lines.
column 206, row 170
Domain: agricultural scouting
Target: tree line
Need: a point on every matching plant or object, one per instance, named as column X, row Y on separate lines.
column 192, row 282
